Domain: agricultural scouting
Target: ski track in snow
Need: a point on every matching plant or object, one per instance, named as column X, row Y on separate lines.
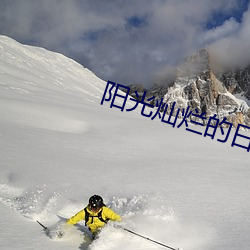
column 145, row 214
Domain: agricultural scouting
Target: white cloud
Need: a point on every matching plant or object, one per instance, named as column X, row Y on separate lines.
column 233, row 50
column 228, row 28
column 98, row 34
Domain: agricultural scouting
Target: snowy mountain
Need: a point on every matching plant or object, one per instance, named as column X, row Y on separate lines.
column 199, row 86
column 237, row 81
column 59, row 146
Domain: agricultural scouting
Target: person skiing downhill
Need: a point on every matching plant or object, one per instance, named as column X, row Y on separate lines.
column 95, row 214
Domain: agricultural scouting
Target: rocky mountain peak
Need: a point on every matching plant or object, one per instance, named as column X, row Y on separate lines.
column 237, row 81
column 199, row 88
column 197, row 64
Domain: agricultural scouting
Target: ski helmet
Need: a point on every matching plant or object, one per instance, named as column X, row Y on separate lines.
column 95, row 202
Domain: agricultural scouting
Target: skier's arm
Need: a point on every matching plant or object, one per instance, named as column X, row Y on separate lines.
column 77, row 217
column 110, row 214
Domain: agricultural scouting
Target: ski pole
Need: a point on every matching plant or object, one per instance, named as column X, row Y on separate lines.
column 146, row 238
column 45, row 228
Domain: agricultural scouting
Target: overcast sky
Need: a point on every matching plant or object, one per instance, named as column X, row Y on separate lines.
column 131, row 41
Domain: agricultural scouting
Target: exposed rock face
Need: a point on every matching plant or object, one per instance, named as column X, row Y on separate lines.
column 237, row 81
column 199, row 88
column 136, row 87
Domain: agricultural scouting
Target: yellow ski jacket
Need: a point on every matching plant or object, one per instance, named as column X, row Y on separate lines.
column 94, row 223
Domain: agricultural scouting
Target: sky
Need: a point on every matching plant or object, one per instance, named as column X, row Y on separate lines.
column 133, row 41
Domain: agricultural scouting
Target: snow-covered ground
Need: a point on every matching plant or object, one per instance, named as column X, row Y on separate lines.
column 59, row 146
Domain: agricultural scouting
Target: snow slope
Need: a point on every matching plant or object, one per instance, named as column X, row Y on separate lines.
column 59, row 146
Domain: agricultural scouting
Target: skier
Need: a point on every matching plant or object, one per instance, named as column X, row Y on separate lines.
column 95, row 214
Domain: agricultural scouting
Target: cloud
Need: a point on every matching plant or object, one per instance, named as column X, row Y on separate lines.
column 233, row 49
column 124, row 41
column 228, row 28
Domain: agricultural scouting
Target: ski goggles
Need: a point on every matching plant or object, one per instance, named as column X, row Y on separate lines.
column 94, row 208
